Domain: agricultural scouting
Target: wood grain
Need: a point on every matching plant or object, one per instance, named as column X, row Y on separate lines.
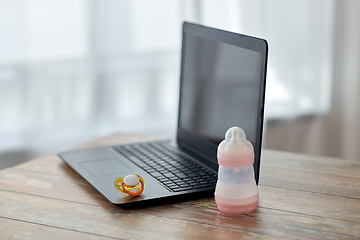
column 263, row 220
column 313, row 164
column 107, row 220
column 68, row 188
column 301, row 197
column 76, row 189
column 311, row 182
column 17, row 229
column 203, row 213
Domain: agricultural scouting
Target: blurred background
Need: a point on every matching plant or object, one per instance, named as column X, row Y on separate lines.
column 75, row 70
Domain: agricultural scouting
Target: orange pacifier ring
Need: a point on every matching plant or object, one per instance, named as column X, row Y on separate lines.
column 134, row 187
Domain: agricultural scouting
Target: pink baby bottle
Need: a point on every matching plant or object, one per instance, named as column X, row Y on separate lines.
column 236, row 191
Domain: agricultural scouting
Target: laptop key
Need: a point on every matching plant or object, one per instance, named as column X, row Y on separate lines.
column 137, row 161
column 172, row 186
column 181, row 189
column 169, row 175
column 182, row 175
column 156, row 174
column 203, row 186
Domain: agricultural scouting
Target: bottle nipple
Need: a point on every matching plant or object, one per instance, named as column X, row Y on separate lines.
column 235, row 138
column 235, row 149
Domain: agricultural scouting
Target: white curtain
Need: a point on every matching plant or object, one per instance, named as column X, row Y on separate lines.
column 300, row 37
column 73, row 70
column 344, row 119
column 336, row 133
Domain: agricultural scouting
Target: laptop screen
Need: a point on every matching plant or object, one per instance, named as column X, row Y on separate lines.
column 222, row 85
column 220, row 88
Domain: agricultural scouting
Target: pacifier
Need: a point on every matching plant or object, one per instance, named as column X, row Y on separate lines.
column 132, row 185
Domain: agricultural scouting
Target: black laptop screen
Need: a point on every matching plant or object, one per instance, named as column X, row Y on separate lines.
column 220, row 88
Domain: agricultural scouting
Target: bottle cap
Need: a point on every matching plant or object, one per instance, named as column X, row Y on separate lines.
column 235, row 150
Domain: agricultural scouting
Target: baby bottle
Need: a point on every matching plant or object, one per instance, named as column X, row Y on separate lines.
column 236, row 191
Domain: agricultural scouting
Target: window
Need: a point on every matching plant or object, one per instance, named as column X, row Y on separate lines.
column 72, row 70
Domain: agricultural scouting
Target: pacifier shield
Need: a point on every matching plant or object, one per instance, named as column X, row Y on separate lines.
column 132, row 185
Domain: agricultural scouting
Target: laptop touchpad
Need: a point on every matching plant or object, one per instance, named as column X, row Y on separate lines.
column 105, row 167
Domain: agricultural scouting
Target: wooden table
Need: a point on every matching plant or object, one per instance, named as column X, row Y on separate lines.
column 301, row 197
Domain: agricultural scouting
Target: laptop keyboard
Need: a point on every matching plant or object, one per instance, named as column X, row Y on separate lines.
column 168, row 166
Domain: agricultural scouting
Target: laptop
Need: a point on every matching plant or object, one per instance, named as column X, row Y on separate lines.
column 222, row 84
